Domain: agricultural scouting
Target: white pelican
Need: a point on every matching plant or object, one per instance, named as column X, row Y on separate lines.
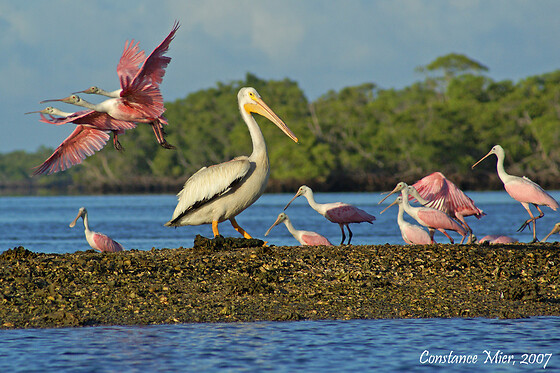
column 220, row 192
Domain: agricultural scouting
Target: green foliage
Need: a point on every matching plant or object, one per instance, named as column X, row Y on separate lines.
column 355, row 132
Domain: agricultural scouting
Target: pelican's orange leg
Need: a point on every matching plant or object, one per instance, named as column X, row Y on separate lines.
column 215, row 228
column 239, row 229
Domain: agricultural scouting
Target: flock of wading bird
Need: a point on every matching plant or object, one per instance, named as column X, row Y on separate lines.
column 220, row 192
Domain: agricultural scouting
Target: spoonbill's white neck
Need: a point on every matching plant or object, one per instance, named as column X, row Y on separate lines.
column 502, row 174
column 113, row 94
column 289, row 225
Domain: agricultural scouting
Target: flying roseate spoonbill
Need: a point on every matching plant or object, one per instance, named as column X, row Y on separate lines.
column 522, row 189
column 96, row 240
column 220, row 192
column 151, row 72
column 144, row 107
column 429, row 217
column 84, row 141
column 303, row 237
column 340, row 213
column 88, row 118
column 555, row 229
column 441, row 193
column 411, row 233
column 497, row 238
column 128, row 68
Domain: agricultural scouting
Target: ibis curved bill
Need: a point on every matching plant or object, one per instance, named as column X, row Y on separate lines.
column 220, row 192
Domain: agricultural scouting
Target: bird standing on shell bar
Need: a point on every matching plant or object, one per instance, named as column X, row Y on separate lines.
column 221, row 192
column 429, row 217
column 96, row 240
column 439, row 192
column 303, row 237
column 340, row 213
column 411, row 233
column 522, row 189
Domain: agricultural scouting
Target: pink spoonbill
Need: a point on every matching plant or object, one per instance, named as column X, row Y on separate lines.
column 440, row 193
column 96, row 240
column 411, row 233
column 151, row 72
column 522, row 189
column 429, row 217
column 303, row 237
column 139, row 99
column 221, row 192
column 88, row 118
column 340, row 213
column 497, row 238
column 90, row 135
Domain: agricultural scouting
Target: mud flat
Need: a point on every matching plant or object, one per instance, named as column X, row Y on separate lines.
column 227, row 280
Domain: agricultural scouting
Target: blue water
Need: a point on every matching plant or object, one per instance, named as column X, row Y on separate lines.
column 41, row 224
column 317, row 346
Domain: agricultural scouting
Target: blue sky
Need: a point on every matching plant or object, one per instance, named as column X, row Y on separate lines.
column 52, row 48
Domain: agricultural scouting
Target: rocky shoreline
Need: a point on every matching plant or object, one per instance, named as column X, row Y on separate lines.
column 229, row 279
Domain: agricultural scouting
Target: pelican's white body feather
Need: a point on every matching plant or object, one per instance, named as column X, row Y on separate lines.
column 220, row 192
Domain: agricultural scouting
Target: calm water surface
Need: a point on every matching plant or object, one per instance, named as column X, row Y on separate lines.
column 40, row 224
column 317, row 346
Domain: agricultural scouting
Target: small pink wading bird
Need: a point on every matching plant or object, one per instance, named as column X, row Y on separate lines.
column 222, row 191
column 411, row 233
column 429, row 217
column 97, row 241
column 440, row 193
column 340, row 213
column 303, row 237
column 139, row 99
column 522, row 189
column 89, row 136
column 497, row 238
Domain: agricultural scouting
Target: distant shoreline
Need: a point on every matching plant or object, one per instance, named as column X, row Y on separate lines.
column 230, row 280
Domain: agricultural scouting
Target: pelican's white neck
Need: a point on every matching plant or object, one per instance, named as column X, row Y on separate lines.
column 257, row 138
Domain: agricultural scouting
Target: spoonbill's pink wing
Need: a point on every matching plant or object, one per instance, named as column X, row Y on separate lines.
column 444, row 195
column 81, row 143
column 343, row 213
column 92, row 118
column 130, row 61
column 415, row 235
column 312, row 239
column 438, row 219
column 106, row 244
column 523, row 189
column 153, row 69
